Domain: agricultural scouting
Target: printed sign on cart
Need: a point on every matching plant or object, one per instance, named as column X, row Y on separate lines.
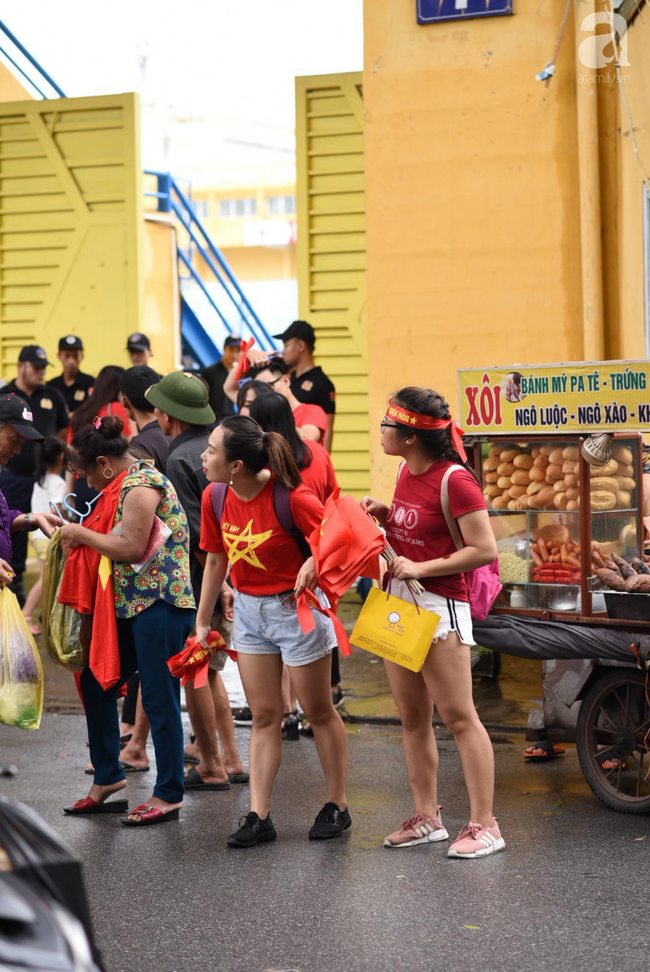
column 589, row 396
column 435, row 11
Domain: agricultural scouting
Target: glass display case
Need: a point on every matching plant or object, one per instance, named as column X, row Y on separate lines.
column 561, row 545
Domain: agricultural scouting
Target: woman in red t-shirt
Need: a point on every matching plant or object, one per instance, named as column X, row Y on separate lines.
column 418, row 428
column 268, row 570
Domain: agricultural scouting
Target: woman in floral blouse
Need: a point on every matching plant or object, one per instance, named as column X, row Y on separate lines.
column 152, row 603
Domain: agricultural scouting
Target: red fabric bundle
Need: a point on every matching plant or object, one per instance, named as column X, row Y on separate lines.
column 345, row 546
column 307, row 623
column 191, row 664
column 87, row 585
column 243, row 364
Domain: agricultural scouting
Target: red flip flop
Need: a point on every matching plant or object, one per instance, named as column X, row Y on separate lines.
column 150, row 816
column 549, row 751
column 88, row 805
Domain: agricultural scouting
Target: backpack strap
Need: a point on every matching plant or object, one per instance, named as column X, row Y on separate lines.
column 282, row 504
column 452, row 525
column 218, row 498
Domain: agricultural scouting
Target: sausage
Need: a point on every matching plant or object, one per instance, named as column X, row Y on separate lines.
column 612, row 579
column 541, row 544
column 638, row 584
column 535, row 555
column 625, row 568
column 639, row 566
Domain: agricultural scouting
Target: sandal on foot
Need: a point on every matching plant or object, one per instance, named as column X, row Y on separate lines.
column 238, row 777
column 149, row 816
column 549, row 751
column 88, row 805
column 190, row 760
column 34, row 627
column 194, row 781
column 130, row 768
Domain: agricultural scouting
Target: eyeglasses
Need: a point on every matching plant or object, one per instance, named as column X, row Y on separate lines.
column 387, row 425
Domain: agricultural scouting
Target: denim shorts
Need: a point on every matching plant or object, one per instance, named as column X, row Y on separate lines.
column 270, row 626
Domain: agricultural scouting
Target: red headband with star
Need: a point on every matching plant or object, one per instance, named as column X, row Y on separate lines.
column 427, row 423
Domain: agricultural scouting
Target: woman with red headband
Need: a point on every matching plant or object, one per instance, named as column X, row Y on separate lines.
column 419, row 428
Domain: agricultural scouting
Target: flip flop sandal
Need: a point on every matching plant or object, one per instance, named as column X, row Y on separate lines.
column 150, row 816
column 190, row 760
column 238, row 777
column 549, row 751
column 127, row 767
column 613, row 764
column 88, row 805
column 125, row 739
column 194, row 781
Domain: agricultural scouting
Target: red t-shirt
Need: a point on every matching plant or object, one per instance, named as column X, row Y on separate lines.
column 311, row 415
column 263, row 558
column 416, row 527
column 319, row 476
column 113, row 408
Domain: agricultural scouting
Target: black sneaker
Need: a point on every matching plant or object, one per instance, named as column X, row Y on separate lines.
column 337, row 697
column 242, row 717
column 330, row 822
column 252, row 830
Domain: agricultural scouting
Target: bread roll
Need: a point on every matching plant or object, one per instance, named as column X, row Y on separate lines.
column 491, row 477
column 491, row 464
column 536, row 474
column 517, row 491
column 602, row 499
column 520, row 477
column 624, row 499
column 504, row 482
column 622, row 454
column 560, row 486
column 609, row 469
column 571, row 479
column 556, row 456
column 624, row 470
column 512, row 504
column 568, row 466
column 507, row 455
column 571, row 452
column 522, row 502
column 560, row 500
column 541, row 462
column 535, row 487
column 495, row 450
column 552, row 533
column 546, row 450
column 573, row 493
column 553, row 473
column 492, row 490
column 572, row 506
column 604, row 482
column 544, row 498
column 524, row 461
column 535, row 452
column 505, row 469
column 624, row 482
column 500, row 502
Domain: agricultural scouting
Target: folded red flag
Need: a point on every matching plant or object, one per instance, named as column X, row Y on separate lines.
column 346, row 544
column 308, row 599
column 244, row 364
column 191, row 664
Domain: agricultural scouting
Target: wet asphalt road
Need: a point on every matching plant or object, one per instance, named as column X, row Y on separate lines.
column 570, row 891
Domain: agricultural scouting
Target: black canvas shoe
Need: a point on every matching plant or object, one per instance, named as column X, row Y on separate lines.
column 252, row 830
column 242, row 716
column 330, row 822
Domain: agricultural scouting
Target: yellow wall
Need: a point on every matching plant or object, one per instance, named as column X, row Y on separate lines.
column 161, row 321
column 472, row 186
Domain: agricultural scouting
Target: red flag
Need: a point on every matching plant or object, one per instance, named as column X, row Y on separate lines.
column 307, row 623
column 191, row 664
column 345, row 545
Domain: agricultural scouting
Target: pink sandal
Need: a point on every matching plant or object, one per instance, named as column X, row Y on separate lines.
column 34, row 628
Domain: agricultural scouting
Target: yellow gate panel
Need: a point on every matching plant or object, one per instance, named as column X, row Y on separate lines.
column 70, row 226
column 331, row 252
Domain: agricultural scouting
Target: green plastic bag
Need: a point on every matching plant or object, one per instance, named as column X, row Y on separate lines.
column 66, row 632
column 21, row 672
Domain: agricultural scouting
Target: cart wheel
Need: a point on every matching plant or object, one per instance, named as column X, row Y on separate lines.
column 613, row 729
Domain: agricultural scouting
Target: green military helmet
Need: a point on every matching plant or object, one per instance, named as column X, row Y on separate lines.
column 182, row 396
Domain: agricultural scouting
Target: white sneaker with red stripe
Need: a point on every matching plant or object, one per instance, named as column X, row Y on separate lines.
column 419, row 829
column 475, row 840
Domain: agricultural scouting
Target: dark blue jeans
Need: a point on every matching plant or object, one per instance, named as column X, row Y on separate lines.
column 146, row 643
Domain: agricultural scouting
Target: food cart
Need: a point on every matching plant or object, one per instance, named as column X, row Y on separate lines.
column 558, row 451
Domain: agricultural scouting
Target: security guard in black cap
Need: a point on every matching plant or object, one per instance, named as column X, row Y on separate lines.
column 50, row 417
column 139, row 347
column 74, row 385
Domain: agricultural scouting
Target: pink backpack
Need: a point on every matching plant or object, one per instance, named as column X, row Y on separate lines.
column 483, row 583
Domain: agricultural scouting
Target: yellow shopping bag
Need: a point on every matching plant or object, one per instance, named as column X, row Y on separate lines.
column 395, row 629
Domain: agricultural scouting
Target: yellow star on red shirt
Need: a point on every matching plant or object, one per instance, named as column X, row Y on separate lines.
column 250, row 540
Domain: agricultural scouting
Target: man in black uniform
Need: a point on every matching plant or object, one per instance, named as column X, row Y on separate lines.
column 309, row 383
column 139, row 347
column 215, row 375
column 50, row 417
column 74, row 385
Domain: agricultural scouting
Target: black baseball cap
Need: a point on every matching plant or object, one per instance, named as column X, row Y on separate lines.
column 35, row 354
column 138, row 342
column 16, row 412
column 301, row 330
column 70, row 343
column 232, row 341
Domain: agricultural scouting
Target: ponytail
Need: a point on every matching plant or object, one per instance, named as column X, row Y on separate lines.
column 244, row 439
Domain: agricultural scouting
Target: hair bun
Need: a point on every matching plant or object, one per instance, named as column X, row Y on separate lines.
column 111, row 426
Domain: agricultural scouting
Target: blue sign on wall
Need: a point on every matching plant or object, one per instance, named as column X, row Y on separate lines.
column 433, row 11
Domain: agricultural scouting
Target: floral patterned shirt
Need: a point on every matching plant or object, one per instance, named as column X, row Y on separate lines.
column 167, row 578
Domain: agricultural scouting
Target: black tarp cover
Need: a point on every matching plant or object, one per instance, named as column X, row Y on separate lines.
column 532, row 638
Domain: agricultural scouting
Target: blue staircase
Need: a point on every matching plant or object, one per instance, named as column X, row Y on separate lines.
column 213, row 304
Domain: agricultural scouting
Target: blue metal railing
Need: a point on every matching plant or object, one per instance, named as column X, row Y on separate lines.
column 171, row 199
column 32, row 60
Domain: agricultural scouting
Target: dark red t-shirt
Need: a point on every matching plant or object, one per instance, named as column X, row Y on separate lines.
column 263, row 558
column 311, row 415
column 416, row 527
column 319, row 476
